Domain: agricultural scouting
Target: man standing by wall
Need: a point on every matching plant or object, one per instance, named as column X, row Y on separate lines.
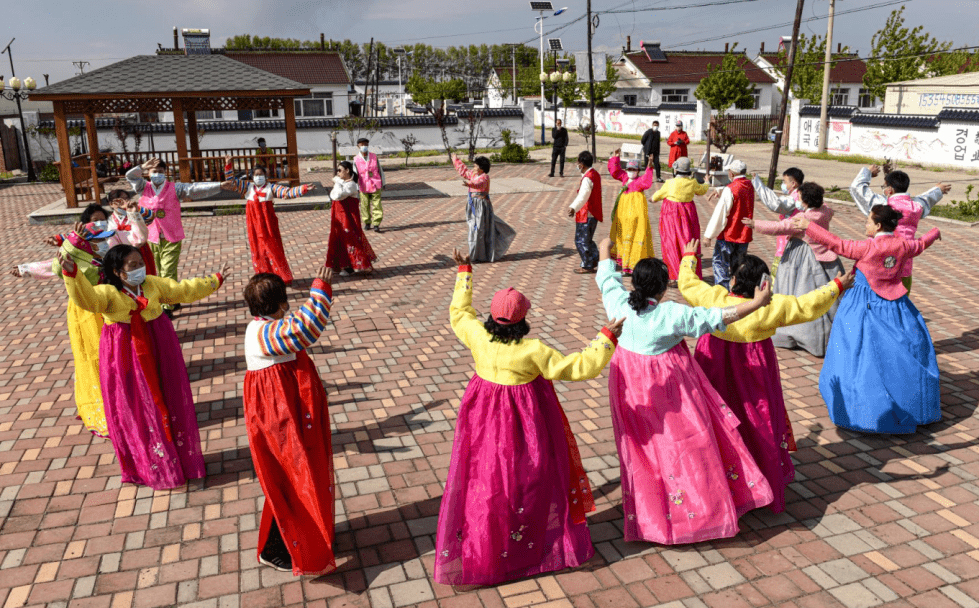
column 650, row 147
column 371, row 182
column 559, row 137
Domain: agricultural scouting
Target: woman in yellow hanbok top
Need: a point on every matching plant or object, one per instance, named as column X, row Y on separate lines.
column 85, row 246
column 632, row 239
column 678, row 221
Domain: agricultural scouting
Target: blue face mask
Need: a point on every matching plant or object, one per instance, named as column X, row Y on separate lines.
column 137, row 276
column 259, row 180
column 158, row 178
column 785, row 189
column 101, row 248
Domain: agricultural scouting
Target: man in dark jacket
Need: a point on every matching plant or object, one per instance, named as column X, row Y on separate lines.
column 650, row 147
column 559, row 137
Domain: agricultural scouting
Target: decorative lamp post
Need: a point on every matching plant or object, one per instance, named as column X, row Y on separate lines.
column 542, row 7
column 19, row 91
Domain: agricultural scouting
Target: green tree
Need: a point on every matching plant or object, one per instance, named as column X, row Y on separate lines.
column 527, row 82
column 432, row 94
column 807, row 75
column 898, row 53
column 726, row 85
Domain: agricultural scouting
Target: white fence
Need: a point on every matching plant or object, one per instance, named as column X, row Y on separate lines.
column 632, row 120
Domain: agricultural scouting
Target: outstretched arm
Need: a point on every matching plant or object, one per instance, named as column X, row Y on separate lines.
column 615, row 297
column 918, row 246
column 280, row 191
column 583, row 365
column 190, row 290
column 135, row 178
column 301, row 329
column 615, row 169
column 783, row 205
column 462, row 315
column 232, row 183
column 929, row 199
column 863, row 195
column 853, row 250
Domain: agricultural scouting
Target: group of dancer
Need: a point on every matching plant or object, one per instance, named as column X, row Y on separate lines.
column 517, row 494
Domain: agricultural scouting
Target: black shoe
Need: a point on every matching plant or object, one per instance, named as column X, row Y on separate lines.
column 168, row 313
column 276, row 562
column 551, row 175
column 377, row 229
column 178, row 306
column 562, row 175
column 367, row 225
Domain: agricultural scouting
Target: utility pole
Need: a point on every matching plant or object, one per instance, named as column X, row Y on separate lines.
column 829, row 57
column 513, row 48
column 785, row 94
column 367, row 79
column 80, row 65
column 591, row 80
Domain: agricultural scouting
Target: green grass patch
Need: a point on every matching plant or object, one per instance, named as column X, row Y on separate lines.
column 6, row 175
column 839, row 193
column 232, row 210
column 954, row 212
column 856, row 159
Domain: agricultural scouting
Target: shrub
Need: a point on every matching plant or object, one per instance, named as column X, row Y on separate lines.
column 49, row 174
column 970, row 206
column 512, row 152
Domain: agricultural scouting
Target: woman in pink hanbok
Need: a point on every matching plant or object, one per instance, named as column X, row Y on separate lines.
column 516, row 494
column 687, row 476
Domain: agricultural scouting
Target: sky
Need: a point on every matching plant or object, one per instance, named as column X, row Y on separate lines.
column 105, row 31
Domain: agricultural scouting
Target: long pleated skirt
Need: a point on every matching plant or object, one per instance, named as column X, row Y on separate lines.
column 489, row 236
column 800, row 273
column 678, row 225
column 631, row 236
column 880, row 374
column 84, row 331
column 747, row 378
column 289, row 436
column 507, row 512
column 348, row 246
column 686, row 473
column 265, row 240
column 145, row 455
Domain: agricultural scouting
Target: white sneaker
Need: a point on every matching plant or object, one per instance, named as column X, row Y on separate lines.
column 344, row 273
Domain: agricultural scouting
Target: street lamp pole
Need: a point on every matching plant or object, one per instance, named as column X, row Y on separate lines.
column 23, row 128
column 540, row 24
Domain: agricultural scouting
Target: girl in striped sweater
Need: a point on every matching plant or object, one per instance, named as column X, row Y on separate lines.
column 289, row 425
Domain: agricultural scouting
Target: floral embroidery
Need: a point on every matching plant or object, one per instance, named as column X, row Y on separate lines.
column 517, row 536
column 731, row 474
column 677, row 497
column 158, row 450
column 889, row 261
column 751, row 484
column 445, row 553
column 503, row 554
column 691, row 515
column 530, row 545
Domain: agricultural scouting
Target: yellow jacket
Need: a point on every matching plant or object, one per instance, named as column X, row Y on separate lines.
column 680, row 190
column 116, row 306
column 761, row 324
column 515, row 364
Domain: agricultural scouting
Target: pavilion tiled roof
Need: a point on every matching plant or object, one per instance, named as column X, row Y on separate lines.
column 691, row 66
column 308, row 67
column 171, row 74
column 849, row 67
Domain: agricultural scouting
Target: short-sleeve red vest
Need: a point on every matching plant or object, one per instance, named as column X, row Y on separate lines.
column 744, row 206
column 594, row 204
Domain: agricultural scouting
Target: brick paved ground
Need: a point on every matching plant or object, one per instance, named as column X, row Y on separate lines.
column 870, row 521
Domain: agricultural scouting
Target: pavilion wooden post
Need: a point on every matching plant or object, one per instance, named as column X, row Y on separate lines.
column 93, row 154
column 181, row 134
column 195, row 147
column 292, row 147
column 64, row 154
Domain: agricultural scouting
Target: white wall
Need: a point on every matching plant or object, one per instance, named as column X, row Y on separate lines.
column 951, row 144
column 614, row 120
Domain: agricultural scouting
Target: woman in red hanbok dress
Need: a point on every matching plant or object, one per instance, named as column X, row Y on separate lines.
column 264, row 238
column 348, row 250
column 289, row 426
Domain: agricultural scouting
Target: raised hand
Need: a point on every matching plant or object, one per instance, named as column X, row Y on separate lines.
column 571, row 212
column 325, row 274
column 763, row 293
column 52, row 241
column 133, row 206
column 226, row 271
column 461, row 260
column 605, row 249
column 874, row 170
column 15, row 272
column 615, row 326
column 227, row 159
column 617, row 153
column 691, row 247
column 79, row 228
column 945, row 188
column 847, row 279
column 67, row 263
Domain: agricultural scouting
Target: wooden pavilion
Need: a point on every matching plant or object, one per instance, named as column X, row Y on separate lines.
column 182, row 84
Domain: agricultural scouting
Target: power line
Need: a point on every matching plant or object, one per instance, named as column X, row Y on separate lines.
column 670, row 8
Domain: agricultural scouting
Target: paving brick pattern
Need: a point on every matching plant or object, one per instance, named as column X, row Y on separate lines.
column 871, row 521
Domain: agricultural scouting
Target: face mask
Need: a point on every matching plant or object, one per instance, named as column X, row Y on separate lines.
column 136, row 277
column 120, row 211
column 158, row 178
column 101, row 248
column 363, row 149
column 259, row 180
column 785, row 189
column 632, row 174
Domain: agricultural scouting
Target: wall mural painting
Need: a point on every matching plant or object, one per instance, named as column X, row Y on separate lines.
column 907, row 146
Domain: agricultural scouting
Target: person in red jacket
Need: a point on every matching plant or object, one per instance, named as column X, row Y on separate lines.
column 737, row 201
column 678, row 142
column 587, row 212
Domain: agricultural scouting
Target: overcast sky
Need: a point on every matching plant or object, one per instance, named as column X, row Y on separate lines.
column 51, row 34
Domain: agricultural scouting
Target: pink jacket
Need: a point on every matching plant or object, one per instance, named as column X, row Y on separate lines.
column 821, row 216
column 640, row 184
column 880, row 259
column 166, row 208
column 368, row 173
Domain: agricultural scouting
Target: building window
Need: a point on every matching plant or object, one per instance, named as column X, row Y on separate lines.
column 756, row 96
column 675, row 95
column 317, row 104
column 866, row 99
column 208, row 114
column 839, row 97
column 630, row 100
column 267, row 114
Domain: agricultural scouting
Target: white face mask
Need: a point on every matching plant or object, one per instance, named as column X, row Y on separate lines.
column 785, row 189
column 101, row 248
column 632, row 174
column 158, row 178
column 137, row 276
column 259, row 180
column 363, row 149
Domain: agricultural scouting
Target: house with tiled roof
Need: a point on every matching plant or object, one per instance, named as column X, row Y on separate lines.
column 496, row 96
column 322, row 71
column 845, row 78
column 653, row 76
